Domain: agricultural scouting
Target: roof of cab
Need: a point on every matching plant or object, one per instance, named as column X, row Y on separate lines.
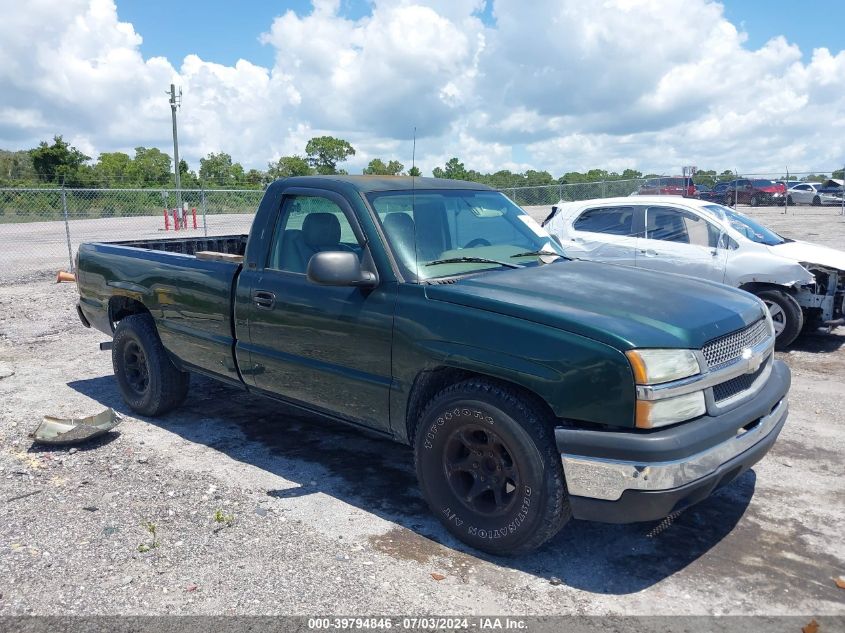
column 366, row 184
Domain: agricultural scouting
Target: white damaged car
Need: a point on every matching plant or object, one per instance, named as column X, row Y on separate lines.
column 803, row 284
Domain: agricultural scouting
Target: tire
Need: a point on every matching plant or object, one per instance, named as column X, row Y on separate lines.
column 729, row 201
column 786, row 314
column 754, row 202
column 147, row 379
column 489, row 468
column 817, row 201
column 789, row 200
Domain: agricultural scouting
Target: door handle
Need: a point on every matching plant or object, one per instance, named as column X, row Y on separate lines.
column 648, row 252
column 264, row 299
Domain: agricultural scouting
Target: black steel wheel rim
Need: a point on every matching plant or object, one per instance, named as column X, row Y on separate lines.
column 481, row 470
column 135, row 368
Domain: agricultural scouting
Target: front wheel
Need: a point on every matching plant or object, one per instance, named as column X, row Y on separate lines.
column 754, row 201
column 147, row 379
column 789, row 200
column 817, row 202
column 787, row 316
column 489, row 469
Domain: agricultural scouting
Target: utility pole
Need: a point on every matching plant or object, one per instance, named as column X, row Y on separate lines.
column 175, row 102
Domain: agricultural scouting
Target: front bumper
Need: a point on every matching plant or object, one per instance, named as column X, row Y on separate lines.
column 630, row 476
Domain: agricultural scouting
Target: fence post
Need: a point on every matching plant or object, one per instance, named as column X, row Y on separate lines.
column 786, row 194
column 67, row 227
column 603, row 189
column 736, row 190
column 202, row 205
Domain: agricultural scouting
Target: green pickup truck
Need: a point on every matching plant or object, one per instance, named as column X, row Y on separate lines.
column 532, row 387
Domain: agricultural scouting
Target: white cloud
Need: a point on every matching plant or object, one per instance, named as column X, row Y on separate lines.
column 562, row 85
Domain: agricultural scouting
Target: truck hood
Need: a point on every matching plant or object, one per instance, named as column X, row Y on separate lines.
column 622, row 306
column 811, row 254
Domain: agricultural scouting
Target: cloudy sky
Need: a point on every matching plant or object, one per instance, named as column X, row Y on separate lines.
column 558, row 85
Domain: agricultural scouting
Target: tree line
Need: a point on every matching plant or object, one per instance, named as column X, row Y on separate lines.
column 59, row 163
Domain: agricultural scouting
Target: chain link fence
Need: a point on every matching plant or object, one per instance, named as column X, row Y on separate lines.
column 547, row 195
column 42, row 228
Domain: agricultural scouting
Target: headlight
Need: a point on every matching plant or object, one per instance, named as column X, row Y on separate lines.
column 654, row 366
column 654, row 413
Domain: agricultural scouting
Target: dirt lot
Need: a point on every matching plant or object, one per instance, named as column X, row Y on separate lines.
column 259, row 510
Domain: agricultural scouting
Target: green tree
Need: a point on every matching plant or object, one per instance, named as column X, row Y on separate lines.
column 378, row 167
column 59, row 161
column 454, row 170
column 220, row 170
column 538, row 178
column 187, row 177
column 255, row 177
column 414, row 171
column 113, row 169
column 505, row 179
column 630, row 174
column 151, row 166
column 325, row 152
column 16, row 167
column 288, row 166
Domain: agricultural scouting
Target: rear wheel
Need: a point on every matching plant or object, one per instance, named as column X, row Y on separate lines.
column 786, row 314
column 147, row 379
column 489, row 469
column 789, row 200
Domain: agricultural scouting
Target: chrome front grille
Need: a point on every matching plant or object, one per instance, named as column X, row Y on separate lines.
column 740, row 384
column 728, row 348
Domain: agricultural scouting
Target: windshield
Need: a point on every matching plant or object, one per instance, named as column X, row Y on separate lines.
column 429, row 230
column 745, row 226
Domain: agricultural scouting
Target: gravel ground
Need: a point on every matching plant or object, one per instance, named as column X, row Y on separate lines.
column 259, row 510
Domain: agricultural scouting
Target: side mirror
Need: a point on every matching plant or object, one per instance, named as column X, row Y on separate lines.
column 339, row 268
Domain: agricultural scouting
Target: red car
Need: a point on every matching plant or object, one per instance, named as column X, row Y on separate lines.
column 671, row 186
column 755, row 192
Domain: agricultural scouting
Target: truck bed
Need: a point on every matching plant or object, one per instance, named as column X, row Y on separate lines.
column 190, row 296
column 229, row 244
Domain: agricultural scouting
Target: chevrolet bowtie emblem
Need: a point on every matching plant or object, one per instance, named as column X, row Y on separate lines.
column 752, row 362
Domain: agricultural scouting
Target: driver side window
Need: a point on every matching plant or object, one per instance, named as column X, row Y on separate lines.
column 308, row 225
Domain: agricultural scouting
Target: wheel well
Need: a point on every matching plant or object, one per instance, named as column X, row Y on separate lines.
column 756, row 286
column 431, row 381
column 121, row 307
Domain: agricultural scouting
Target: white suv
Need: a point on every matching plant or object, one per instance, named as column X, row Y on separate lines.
column 801, row 283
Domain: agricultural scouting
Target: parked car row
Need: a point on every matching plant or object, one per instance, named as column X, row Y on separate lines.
column 802, row 284
column 748, row 191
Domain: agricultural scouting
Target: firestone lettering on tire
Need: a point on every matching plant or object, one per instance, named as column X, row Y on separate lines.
column 448, row 415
